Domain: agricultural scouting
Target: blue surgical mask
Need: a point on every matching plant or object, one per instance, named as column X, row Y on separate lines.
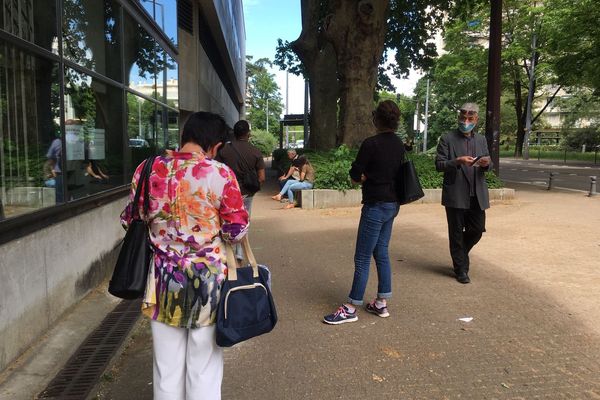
column 465, row 127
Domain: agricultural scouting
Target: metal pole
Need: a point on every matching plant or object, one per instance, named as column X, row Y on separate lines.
column 139, row 118
column 529, row 99
column 426, row 118
column 551, row 179
column 305, row 118
column 492, row 121
column 267, row 114
column 592, row 186
column 287, row 111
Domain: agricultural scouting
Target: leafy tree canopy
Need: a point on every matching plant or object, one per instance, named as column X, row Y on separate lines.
column 263, row 94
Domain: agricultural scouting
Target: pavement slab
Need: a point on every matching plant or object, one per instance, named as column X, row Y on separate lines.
column 535, row 332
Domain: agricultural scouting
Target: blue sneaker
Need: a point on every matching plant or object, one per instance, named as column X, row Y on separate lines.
column 340, row 316
column 373, row 309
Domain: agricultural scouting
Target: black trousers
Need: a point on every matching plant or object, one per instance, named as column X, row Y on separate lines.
column 465, row 228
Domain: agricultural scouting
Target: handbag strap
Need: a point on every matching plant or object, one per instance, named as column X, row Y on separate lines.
column 232, row 264
column 143, row 184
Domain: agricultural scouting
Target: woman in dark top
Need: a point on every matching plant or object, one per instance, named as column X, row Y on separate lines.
column 375, row 167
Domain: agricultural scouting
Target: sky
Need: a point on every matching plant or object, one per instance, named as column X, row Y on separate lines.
column 269, row 20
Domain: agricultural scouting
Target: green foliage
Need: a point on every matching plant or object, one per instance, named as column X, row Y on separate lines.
column 332, row 168
column 425, row 166
column 558, row 155
column 264, row 100
column 263, row 140
column 574, row 41
column 575, row 139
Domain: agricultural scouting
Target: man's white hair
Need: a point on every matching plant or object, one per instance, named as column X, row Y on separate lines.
column 470, row 107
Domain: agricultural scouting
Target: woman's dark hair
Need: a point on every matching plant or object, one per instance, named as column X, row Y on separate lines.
column 205, row 129
column 386, row 115
column 300, row 161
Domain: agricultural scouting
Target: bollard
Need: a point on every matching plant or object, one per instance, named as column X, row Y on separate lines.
column 551, row 179
column 592, row 186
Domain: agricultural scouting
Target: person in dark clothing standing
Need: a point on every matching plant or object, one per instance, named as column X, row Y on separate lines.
column 376, row 166
column 463, row 157
column 239, row 155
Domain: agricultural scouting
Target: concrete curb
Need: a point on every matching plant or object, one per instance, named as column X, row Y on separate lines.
column 329, row 198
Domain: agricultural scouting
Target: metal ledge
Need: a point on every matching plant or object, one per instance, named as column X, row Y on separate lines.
column 23, row 225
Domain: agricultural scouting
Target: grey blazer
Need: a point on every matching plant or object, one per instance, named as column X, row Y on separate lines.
column 455, row 190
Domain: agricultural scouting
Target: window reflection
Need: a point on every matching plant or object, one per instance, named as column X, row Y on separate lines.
column 164, row 12
column 91, row 35
column 94, row 143
column 172, row 88
column 140, row 58
column 34, row 21
column 30, row 144
column 141, row 129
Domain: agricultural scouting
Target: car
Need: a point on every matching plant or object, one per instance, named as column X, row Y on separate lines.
column 137, row 142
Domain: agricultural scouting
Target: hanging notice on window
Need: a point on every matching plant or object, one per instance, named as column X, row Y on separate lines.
column 96, row 144
column 75, row 142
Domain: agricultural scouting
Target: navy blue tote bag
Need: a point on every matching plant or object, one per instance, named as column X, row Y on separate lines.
column 246, row 308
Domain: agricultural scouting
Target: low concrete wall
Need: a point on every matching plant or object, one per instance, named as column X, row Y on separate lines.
column 326, row 198
column 47, row 272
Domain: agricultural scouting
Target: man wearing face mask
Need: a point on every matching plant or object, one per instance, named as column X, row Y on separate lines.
column 463, row 157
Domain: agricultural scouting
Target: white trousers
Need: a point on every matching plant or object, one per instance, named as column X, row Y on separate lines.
column 188, row 364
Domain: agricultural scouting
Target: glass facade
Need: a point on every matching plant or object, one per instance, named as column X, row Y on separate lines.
column 81, row 108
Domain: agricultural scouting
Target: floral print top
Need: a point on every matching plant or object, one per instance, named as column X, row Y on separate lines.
column 195, row 204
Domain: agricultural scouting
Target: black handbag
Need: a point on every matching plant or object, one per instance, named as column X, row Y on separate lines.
column 246, row 308
column 249, row 179
column 131, row 271
column 408, row 186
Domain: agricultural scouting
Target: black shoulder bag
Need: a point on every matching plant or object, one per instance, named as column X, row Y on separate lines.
column 131, row 271
column 249, row 179
column 408, row 186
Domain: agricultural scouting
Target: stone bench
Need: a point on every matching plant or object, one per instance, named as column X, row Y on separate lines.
column 328, row 198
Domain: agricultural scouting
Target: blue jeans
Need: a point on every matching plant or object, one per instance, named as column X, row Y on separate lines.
column 374, row 233
column 292, row 185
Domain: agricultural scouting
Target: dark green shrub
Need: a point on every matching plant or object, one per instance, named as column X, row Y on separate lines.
column 332, row 168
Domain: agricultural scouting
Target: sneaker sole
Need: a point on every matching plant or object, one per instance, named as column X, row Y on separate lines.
column 340, row 322
column 387, row 314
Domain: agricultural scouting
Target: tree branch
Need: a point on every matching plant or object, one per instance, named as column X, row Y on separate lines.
column 547, row 104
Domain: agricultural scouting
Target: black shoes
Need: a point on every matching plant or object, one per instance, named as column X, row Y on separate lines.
column 462, row 277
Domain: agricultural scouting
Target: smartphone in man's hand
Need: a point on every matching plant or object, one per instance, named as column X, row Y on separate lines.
column 476, row 159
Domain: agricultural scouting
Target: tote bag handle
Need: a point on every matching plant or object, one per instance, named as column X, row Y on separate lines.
column 232, row 264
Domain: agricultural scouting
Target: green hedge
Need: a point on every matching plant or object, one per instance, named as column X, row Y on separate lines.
column 332, row 167
column 556, row 154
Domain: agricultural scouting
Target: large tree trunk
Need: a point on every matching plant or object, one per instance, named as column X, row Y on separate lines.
column 319, row 60
column 357, row 28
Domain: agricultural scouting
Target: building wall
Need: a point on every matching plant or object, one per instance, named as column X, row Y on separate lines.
column 208, row 82
column 46, row 272
column 59, row 242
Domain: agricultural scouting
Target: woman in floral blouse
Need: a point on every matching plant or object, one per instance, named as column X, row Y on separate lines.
column 195, row 204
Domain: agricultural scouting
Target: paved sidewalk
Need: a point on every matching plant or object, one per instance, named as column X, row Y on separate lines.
column 534, row 301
